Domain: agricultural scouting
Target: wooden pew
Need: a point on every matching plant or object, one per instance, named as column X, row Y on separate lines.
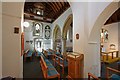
column 48, row 70
column 26, row 54
column 48, row 52
column 60, row 61
column 116, row 73
column 45, row 52
column 52, row 51
column 92, row 76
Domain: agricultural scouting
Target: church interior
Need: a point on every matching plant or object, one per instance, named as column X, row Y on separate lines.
column 60, row 39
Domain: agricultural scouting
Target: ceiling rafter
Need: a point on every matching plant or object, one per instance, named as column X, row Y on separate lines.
column 60, row 4
column 57, row 5
column 54, row 6
column 30, row 18
column 115, row 17
column 51, row 6
column 51, row 10
column 36, row 15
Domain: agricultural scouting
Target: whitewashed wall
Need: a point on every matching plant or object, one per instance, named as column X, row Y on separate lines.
column 0, row 39
column 112, row 35
column 119, row 38
column 61, row 20
column 11, row 43
column 94, row 10
column 84, row 17
column 29, row 36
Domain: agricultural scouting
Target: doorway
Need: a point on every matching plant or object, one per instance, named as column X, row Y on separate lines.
column 38, row 44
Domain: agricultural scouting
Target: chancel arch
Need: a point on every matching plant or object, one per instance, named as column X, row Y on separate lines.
column 95, row 32
column 57, row 38
column 65, row 32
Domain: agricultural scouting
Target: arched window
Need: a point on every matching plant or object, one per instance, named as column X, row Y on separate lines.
column 47, row 32
column 38, row 29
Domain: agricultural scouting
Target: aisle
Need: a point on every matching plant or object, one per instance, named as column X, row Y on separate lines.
column 32, row 69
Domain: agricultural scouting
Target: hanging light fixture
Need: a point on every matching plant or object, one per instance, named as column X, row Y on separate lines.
column 26, row 24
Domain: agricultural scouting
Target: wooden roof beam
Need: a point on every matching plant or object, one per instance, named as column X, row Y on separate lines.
column 53, row 4
column 29, row 18
column 51, row 7
column 32, row 14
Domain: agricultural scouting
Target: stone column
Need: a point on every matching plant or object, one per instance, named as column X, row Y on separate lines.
column 54, row 45
column 63, row 45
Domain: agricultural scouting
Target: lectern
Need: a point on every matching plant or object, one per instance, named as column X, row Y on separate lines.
column 75, row 66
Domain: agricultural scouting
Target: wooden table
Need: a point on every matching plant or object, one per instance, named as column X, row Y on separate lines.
column 111, row 52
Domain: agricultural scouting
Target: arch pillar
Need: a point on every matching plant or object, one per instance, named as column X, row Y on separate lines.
column 64, row 31
column 63, row 45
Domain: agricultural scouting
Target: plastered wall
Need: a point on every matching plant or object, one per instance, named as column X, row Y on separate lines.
column 29, row 36
column 0, row 39
column 11, row 42
column 112, row 35
column 84, row 19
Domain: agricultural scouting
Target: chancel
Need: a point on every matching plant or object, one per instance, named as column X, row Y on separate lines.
column 60, row 39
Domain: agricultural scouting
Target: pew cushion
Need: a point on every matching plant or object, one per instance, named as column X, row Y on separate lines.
column 49, row 53
column 38, row 54
column 57, row 52
column 115, row 77
column 65, row 63
column 29, row 54
column 52, row 72
column 48, row 63
column 44, row 57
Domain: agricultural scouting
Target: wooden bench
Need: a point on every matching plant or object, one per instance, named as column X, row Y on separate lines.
column 60, row 61
column 50, row 52
column 28, row 53
column 38, row 53
column 92, row 76
column 45, row 52
column 115, row 76
column 48, row 69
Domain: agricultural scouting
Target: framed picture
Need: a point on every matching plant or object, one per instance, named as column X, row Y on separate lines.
column 104, row 36
column 16, row 30
column 47, row 32
column 37, row 29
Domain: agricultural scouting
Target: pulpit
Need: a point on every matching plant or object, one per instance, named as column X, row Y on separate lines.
column 75, row 65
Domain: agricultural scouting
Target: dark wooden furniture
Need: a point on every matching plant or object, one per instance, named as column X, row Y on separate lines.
column 75, row 65
column 48, row 52
column 92, row 76
column 48, row 69
column 115, row 74
column 109, row 57
column 45, row 52
column 28, row 53
column 118, row 65
column 60, row 61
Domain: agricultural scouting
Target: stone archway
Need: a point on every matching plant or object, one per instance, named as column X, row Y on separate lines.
column 95, row 32
column 56, row 36
column 66, row 26
column 111, row 8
